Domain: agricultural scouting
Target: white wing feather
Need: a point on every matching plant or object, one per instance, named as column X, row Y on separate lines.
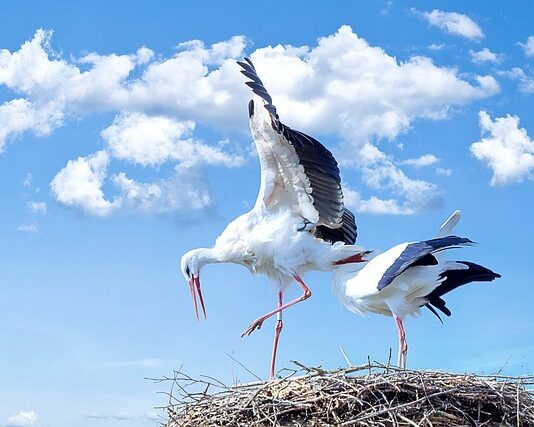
column 447, row 227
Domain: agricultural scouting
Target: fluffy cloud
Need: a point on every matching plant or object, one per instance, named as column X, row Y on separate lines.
column 22, row 419
column 528, row 46
column 184, row 191
column 485, row 55
column 526, row 82
column 505, row 148
column 20, row 115
column 443, row 171
column 373, row 205
column 380, row 173
column 199, row 83
column 79, row 184
column 453, row 23
column 152, row 140
column 420, row 162
column 358, row 91
column 341, row 86
column 324, row 88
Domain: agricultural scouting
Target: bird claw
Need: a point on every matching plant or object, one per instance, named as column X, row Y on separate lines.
column 252, row 327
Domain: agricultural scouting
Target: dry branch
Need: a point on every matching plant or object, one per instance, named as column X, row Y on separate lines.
column 366, row 395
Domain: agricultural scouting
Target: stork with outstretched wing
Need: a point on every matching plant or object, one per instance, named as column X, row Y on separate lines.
column 298, row 223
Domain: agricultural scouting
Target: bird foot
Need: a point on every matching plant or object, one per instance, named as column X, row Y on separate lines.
column 253, row 326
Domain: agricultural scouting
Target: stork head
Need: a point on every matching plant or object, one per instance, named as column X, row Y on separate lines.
column 191, row 264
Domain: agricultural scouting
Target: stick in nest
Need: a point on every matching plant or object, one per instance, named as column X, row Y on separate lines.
column 366, row 395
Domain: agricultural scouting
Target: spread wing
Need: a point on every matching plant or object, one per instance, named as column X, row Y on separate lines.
column 347, row 233
column 296, row 169
column 419, row 253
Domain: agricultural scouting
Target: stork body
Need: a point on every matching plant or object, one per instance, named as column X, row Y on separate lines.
column 298, row 222
column 407, row 277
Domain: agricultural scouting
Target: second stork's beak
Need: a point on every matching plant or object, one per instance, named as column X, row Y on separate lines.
column 194, row 287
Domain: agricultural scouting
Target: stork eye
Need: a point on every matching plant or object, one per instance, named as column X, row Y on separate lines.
column 187, row 271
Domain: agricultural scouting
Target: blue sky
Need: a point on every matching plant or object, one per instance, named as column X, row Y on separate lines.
column 124, row 143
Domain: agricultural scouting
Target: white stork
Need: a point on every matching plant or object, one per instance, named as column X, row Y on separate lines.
column 298, row 223
column 407, row 277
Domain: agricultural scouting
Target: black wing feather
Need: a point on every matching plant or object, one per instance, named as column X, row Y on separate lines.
column 319, row 164
column 321, row 168
column 414, row 252
column 457, row 278
column 347, row 233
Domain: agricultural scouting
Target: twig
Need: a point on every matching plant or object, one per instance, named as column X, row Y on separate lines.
column 243, row 366
column 372, row 394
column 345, row 356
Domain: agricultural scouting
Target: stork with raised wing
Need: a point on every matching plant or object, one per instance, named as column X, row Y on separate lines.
column 298, row 222
column 411, row 275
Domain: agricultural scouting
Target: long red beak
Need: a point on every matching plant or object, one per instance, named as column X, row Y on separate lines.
column 194, row 287
column 354, row 258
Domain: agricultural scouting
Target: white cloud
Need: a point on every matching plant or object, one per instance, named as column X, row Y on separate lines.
column 435, row 46
column 528, row 46
column 358, row 91
column 182, row 85
column 150, row 141
column 37, row 207
column 33, row 69
column 345, row 78
column 340, row 86
column 373, row 205
column 20, row 115
column 505, row 148
column 526, row 82
column 144, row 55
column 79, row 184
column 22, row 419
column 420, row 162
column 28, row 228
column 387, row 8
column 443, row 171
column 379, row 172
column 28, row 180
column 485, row 55
column 453, row 23
column 184, row 191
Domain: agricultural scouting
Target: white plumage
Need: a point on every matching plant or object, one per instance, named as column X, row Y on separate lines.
column 298, row 222
column 407, row 277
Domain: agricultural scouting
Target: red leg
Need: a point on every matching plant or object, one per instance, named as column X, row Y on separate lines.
column 403, row 346
column 277, row 330
column 259, row 321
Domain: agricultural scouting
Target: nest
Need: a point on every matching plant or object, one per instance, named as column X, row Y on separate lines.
column 369, row 395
